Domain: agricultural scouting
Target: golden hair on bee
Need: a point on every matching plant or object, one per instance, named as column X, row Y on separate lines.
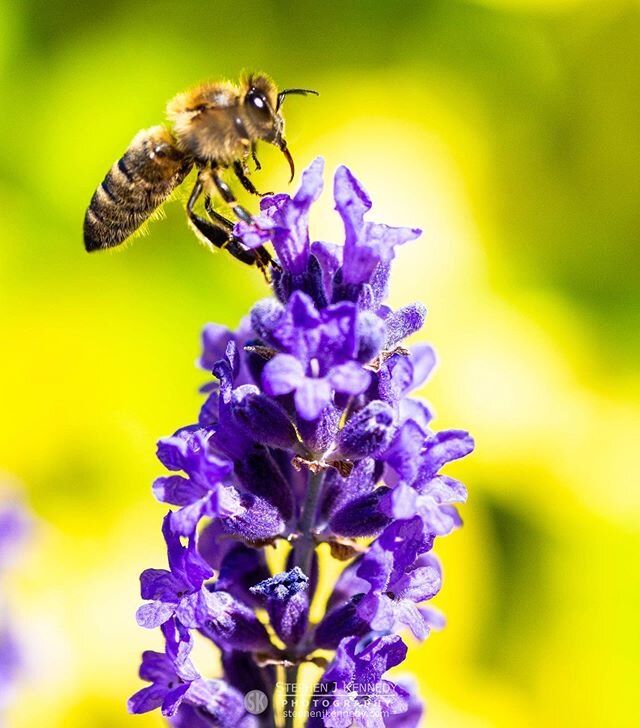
column 214, row 126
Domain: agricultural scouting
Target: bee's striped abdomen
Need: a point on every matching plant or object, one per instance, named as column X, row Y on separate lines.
column 136, row 185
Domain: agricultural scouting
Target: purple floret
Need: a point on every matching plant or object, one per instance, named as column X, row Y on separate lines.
column 318, row 359
column 400, row 575
column 361, row 698
column 178, row 591
column 367, row 245
column 171, row 673
column 205, row 491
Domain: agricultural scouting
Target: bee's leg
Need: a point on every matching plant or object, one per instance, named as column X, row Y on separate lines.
column 213, row 234
column 215, row 215
column 254, row 156
column 217, row 235
column 262, row 257
column 246, row 182
column 228, row 197
column 245, row 255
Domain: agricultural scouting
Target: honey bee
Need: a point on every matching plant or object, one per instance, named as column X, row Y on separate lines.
column 215, row 126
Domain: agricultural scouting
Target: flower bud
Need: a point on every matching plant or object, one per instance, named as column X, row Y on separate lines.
column 265, row 316
column 287, row 602
column 232, row 624
column 340, row 622
column 362, row 516
column 371, row 336
column 404, row 322
column 263, row 418
column 368, row 432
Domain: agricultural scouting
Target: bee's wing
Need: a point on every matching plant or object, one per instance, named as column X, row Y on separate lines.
column 136, row 185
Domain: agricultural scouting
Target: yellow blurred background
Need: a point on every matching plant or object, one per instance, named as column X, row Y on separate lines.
column 509, row 131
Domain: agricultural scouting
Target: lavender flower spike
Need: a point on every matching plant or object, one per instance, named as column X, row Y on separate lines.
column 309, row 435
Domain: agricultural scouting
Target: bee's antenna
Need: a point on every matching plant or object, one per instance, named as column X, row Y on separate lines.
column 298, row 91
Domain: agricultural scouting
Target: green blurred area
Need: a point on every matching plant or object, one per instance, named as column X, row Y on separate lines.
column 509, row 132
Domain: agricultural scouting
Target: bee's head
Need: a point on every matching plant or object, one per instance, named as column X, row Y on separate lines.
column 262, row 104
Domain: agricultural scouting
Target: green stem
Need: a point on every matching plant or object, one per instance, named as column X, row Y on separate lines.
column 305, row 545
column 303, row 557
column 290, row 678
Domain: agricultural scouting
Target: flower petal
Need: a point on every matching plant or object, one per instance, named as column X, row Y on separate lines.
column 395, row 377
column 442, row 448
column 406, row 612
column 173, row 699
column 423, row 359
column 147, row 699
column 349, row 378
column 404, row 322
column 155, row 666
column 403, row 455
column 282, row 374
column 185, row 521
column 214, row 343
column 176, row 490
column 417, row 410
column 153, row 614
column 444, row 489
column 160, row 584
column 311, row 397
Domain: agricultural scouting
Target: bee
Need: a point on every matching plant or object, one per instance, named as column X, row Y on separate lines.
column 214, row 127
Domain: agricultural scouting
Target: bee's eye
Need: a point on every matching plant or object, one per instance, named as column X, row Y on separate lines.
column 258, row 105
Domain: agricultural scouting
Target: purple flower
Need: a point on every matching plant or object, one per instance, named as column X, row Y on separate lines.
column 367, row 433
column 232, row 624
column 213, row 704
column 170, row 673
column 341, row 623
column 319, row 355
column 214, row 343
column 216, row 339
column 361, row 697
column 400, row 576
column 367, row 245
column 417, row 457
column 180, row 590
column 402, row 323
column 309, row 436
column 285, row 221
column 351, row 505
column 265, row 420
column 413, row 716
column 238, row 569
column 179, row 691
column 205, row 491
